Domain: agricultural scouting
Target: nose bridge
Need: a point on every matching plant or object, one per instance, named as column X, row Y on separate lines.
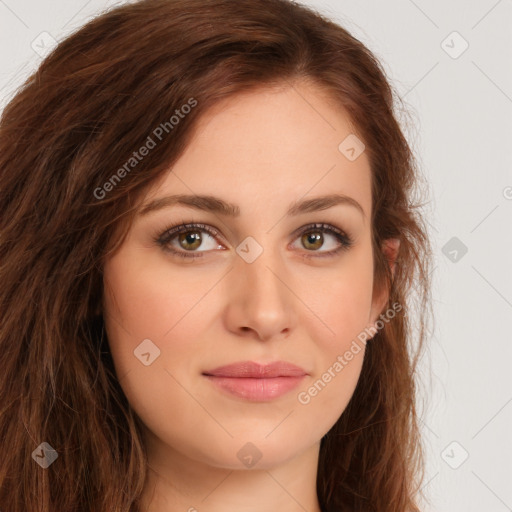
column 262, row 275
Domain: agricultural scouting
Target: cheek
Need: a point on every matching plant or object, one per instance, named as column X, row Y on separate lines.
column 144, row 301
column 343, row 302
column 169, row 308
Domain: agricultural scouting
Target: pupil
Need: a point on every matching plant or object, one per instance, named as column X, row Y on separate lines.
column 314, row 238
column 192, row 237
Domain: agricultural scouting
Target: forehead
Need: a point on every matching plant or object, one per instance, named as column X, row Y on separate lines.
column 271, row 144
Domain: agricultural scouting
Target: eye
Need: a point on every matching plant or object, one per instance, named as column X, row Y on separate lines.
column 312, row 238
column 188, row 238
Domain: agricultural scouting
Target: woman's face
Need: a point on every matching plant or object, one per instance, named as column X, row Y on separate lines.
column 263, row 287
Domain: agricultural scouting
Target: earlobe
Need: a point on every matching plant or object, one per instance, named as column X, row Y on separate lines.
column 390, row 248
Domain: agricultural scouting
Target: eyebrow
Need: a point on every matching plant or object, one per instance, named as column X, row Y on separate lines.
column 216, row 205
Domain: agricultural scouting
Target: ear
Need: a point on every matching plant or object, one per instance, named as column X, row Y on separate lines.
column 380, row 297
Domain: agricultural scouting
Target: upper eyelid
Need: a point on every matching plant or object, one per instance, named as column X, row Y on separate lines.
column 190, row 226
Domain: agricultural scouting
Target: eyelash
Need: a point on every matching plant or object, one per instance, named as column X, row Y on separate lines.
column 346, row 242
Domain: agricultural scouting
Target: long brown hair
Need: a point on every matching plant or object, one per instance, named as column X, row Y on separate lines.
column 66, row 204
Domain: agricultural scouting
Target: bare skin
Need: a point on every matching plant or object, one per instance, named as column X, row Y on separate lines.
column 261, row 151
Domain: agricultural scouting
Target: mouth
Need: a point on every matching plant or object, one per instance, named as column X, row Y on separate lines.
column 256, row 382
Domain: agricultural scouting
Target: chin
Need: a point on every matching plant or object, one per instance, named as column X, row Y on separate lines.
column 248, row 453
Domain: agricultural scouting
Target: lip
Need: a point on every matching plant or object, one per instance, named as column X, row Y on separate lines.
column 250, row 369
column 257, row 382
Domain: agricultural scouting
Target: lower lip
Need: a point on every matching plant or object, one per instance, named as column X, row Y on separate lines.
column 256, row 389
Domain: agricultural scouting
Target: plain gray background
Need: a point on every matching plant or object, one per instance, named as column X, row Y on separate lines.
column 452, row 64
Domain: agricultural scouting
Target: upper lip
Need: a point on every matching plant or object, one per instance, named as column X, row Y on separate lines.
column 250, row 369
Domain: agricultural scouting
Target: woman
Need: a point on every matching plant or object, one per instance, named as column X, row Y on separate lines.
column 208, row 245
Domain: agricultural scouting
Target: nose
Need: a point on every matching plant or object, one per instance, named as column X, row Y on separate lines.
column 261, row 302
